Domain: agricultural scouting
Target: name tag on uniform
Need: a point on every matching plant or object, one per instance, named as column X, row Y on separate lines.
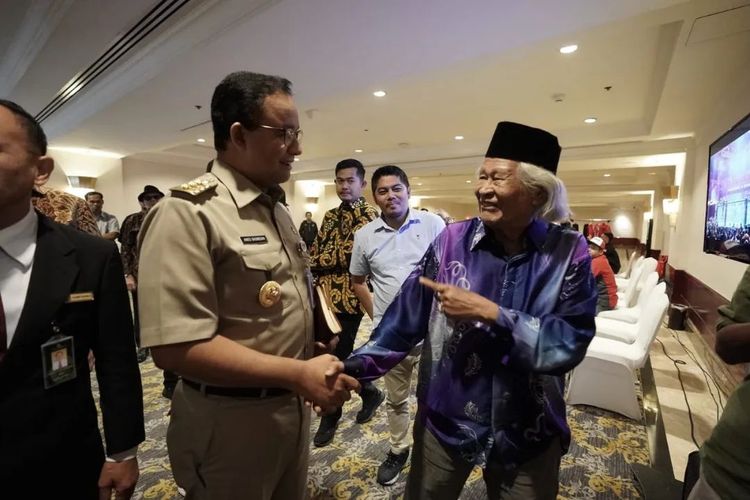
column 259, row 239
column 58, row 361
column 80, row 297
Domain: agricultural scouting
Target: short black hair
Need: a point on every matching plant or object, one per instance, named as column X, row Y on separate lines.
column 389, row 170
column 351, row 163
column 308, row 213
column 239, row 98
column 36, row 136
column 93, row 193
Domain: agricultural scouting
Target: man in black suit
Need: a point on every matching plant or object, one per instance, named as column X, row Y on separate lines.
column 61, row 293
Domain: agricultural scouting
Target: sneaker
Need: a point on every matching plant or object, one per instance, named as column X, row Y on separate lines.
column 142, row 355
column 168, row 392
column 390, row 468
column 371, row 399
column 326, row 430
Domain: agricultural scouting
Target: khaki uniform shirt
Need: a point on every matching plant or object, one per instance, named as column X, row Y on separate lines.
column 204, row 258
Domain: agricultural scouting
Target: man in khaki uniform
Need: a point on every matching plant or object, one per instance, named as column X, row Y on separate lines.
column 225, row 302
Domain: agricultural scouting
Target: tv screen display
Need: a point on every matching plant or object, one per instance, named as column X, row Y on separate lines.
column 728, row 201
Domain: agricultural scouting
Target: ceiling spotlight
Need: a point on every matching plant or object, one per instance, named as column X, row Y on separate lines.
column 296, row 158
column 468, row 182
column 568, row 49
column 652, row 173
column 459, row 138
column 358, row 150
column 379, row 93
column 201, row 140
column 590, row 120
column 607, row 175
column 419, row 183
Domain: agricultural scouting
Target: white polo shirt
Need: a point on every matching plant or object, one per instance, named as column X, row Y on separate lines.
column 388, row 255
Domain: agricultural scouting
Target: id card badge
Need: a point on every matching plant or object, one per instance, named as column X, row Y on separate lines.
column 58, row 361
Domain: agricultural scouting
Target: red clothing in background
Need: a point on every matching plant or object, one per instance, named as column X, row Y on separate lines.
column 605, row 278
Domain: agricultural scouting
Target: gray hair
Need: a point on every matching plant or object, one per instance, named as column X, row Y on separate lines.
column 555, row 208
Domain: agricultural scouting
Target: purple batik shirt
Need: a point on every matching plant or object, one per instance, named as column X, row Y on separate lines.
column 492, row 392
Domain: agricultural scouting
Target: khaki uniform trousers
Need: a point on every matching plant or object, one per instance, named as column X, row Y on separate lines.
column 239, row 448
column 397, row 389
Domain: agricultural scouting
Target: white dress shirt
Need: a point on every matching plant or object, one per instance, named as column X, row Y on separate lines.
column 17, row 247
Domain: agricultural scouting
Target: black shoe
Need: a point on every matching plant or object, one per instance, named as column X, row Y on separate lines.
column 371, row 399
column 327, row 430
column 390, row 468
column 142, row 355
column 168, row 391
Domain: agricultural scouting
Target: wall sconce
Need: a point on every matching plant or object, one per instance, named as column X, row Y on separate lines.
column 79, row 186
column 311, row 203
column 671, row 207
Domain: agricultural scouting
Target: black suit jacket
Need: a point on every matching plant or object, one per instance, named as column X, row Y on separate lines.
column 56, row 429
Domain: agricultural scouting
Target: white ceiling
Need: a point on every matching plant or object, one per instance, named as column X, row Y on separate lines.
column 449, row 68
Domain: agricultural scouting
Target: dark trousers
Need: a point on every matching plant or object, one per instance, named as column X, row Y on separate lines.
column 136, row 321
column 349, row 327
column 438, row 474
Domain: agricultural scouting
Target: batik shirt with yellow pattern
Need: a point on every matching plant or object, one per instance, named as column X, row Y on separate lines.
column 332, row 251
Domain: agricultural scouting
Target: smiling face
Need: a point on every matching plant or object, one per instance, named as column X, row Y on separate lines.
column 504, row 202
column 392, row 196
column 261, row 153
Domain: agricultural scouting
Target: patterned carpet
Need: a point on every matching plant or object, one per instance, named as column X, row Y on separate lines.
column 596, row 467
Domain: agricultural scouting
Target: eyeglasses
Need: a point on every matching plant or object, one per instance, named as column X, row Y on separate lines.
column 290, row 134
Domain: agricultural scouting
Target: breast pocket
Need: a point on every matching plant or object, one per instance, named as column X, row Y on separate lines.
column 263, row 280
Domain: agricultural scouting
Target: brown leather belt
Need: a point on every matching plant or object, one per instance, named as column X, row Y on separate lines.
column 236, row 392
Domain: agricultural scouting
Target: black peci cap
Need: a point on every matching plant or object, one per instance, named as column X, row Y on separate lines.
column 517, row 142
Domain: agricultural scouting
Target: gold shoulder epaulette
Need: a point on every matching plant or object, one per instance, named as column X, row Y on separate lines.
column 198, row 185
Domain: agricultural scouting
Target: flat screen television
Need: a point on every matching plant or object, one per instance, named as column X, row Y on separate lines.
column 727, row 231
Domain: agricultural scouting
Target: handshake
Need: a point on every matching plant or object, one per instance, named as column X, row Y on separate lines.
column 324, row 385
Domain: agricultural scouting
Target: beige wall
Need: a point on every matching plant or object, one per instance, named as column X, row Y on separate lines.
column 121, row 186
column 686, row 242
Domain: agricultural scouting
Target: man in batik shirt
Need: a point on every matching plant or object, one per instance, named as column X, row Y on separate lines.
column 64, row 208
column 505, row 304
column 330, row 257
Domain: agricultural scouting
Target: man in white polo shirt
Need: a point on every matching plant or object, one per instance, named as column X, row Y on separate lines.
column 387, row 249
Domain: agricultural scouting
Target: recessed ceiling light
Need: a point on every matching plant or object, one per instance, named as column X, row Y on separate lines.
column 590, row 120
column 652, row 173
column 419, row 183
column 296, row 158
column 459, row 138
column 201, row 140
column 568, row 49
column 468, row 182
column 607, row 175
column 379, row 93
column 358, row 150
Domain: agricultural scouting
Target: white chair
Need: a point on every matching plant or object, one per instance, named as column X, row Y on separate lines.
column 628, row 332
column 625, row 273
column 631, row 314
column 606, row 376
column 627, row 297
column 621, row 280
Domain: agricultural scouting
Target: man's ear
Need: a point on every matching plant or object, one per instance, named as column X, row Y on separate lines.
column 236, row 136
column 44, row 167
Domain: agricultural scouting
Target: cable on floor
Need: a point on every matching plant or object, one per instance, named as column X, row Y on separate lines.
column 684, row 393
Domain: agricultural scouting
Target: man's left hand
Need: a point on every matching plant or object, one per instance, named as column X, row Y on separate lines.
column 120, row 477
column 461, row 304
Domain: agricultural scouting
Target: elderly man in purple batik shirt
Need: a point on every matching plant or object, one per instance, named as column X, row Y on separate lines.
column 505, row 304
